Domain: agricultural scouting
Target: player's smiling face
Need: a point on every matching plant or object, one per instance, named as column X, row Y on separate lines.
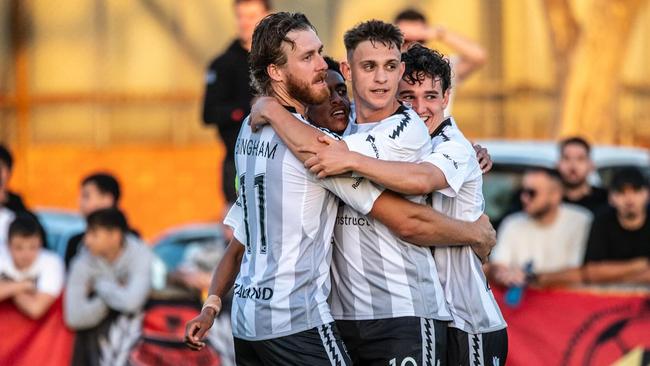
column 332, row 114
column 305, row 71
column 375, row 70
column 426, row 98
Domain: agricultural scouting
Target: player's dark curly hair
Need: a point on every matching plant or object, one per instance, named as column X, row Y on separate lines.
column 421, row 62
column 266, row 48
column 374, row 31
column 333, row 65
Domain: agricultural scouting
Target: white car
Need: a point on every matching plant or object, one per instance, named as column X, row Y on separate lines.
column 512, row 158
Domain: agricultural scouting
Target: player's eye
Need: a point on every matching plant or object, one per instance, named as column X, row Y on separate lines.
column 407, row 98
column 308, row 57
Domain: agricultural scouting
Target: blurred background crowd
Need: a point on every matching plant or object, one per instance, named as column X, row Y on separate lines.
column 113, row 185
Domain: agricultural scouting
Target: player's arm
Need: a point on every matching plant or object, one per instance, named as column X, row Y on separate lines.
column 300, row 138
column 420, row 225
column 223, row 278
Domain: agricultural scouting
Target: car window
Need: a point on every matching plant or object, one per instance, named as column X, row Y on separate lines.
column 500, row 188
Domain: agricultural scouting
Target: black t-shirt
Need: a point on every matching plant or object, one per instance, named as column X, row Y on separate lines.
column 596, row 201
column 608, row 240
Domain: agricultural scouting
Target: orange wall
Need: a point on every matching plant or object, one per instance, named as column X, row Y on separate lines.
column 162, row 186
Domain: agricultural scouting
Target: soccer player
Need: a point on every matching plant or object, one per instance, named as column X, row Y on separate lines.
column 380, row 282
column 452, row 174
column 282, row 250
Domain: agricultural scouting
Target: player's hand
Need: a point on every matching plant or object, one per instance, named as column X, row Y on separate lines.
column 332, row 160
column 484, row 158
column 487, row 238
column 259, row 112
column 415, row 31
column 197, row 328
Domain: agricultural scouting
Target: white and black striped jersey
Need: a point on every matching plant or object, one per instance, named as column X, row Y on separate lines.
column 285, row 218
column 375, row 274
column 470, row 300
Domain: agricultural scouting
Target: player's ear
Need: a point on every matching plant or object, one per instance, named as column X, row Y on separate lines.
column 345, row 70
column 275, row 72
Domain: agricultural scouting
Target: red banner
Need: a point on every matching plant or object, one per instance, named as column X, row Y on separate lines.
column 27, row 342
column 557, row 327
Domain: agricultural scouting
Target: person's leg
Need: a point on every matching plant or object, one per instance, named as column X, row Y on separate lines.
column 245, row 353
column 314, row 347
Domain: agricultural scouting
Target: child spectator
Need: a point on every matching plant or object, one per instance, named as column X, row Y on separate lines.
column 29, row 275
column 109, row 283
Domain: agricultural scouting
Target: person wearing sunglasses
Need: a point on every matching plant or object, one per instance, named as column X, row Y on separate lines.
column 549, row 234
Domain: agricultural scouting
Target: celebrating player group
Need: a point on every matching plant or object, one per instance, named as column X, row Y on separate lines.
column 359, row 231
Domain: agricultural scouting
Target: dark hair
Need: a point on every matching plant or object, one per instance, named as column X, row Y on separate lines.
column 628, row 177
column 6, row 157
column 106, row 184
column 267, row 3
column 374, row 31
column 107, row 218
column 577, row 141
column 25, row 225
column 267, row 49
column 421, row 62
column 410, row 14
column 550, row 172
column 333, row 65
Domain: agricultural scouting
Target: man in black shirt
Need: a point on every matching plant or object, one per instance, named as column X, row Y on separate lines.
column 8, row 199
column 622, row 234
column 575, row 165
column 228, row 93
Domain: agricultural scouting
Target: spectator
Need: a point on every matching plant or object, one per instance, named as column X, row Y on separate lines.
column 621, row 235
column 109, row 278
column 8, row 199
column 575, row 165
column 98, row 191
column 10, row 203
column 29, row 275
column 548, row 234
column 195, row 270
column 228, row 93
column 469, row 55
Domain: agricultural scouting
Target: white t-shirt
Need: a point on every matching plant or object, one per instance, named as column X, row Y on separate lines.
column 47, row 270
column 554, row 247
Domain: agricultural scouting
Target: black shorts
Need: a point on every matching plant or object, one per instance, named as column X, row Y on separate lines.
column 314, row 347
column 406, row 341
column 477, row 349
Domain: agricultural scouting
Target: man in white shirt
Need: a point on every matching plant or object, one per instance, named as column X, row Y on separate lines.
column 548, row 234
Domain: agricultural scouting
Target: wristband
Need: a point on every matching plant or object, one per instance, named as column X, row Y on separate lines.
column 213, row 302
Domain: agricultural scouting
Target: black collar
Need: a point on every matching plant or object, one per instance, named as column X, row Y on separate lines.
column 290, row 108
column 439, row 129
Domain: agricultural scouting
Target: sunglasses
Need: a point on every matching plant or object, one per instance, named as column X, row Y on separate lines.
column 530, row 192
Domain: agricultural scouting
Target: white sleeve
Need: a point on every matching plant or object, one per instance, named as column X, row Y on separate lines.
column 403, row 139
column 51, row 274
column 235, row 219
column 358, row 193
column 453, row 160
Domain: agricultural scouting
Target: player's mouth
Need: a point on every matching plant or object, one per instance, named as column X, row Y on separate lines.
column 379, row 91
column 425, row 118
column 339, row 113
column 320, row 79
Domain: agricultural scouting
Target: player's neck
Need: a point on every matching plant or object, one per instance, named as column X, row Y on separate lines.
column 366, row 114
column 287, row 100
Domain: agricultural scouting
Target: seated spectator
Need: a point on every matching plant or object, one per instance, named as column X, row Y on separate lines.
column 8, row 199
column 574, row 166
column 98, row 191
column 549, row 235
column 110, row 277
column 195, row 270
column 32, row 277
column 621, row 235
